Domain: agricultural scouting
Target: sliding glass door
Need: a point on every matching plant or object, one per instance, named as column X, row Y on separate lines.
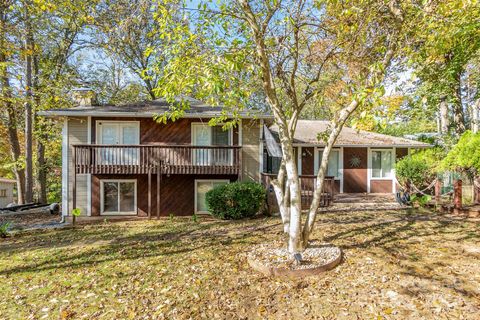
column 117, row 134
column 118, row 197
column 204, row 135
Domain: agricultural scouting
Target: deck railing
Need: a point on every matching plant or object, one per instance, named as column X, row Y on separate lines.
column 307, row 184
column 168, row 159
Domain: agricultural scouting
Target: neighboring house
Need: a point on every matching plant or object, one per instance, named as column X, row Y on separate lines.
column 117, row 160
column 361, row 161
column 6, row 192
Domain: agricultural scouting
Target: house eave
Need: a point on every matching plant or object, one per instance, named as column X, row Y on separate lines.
column 420, row 146
column 73, row 113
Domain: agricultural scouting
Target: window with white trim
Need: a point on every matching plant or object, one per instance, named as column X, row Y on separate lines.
column 118, row 196
column 382, row 164
column 333, row 166
column 201, row 189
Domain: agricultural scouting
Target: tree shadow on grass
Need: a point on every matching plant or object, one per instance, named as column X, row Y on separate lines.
column 397, row 229
column 411, row 240
column 92, row 233
column 145, row 244
column 438, row 279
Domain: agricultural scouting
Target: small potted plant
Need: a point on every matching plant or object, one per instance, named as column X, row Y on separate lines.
column 75, row 213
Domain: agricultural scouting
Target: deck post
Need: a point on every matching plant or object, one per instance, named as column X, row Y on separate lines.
column 74, row 188
column 159, row 179
column 149, row 193
column 240, row 166
column 457, row 194
column 476, row 190
column 438, row 191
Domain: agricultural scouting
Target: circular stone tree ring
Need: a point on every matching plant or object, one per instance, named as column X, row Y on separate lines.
column 274, row 260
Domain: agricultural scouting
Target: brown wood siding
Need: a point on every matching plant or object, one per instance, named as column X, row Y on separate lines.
column 308, row 154
column 355, row 178
column 177, row 193
column 336, row 186
column 152, row 132
column 381, row 186
column 401, row 152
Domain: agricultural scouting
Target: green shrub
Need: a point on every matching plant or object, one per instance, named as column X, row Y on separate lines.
column 4, row 226
column 195, row 218
column 465, row 155
column 236, row 200
column 422, row 200
column 420, row 168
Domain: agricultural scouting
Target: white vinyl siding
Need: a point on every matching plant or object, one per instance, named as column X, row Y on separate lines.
column 77, row 134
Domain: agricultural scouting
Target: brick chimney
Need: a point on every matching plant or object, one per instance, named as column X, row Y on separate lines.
column 84, row 96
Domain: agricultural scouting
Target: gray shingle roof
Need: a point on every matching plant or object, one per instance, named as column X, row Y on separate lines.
column 307, row 133
column 149, row 109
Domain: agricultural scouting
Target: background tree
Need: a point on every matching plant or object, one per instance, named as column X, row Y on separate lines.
column 446, row 40
column 112, row 82
column 8, row 49
column 59, row 30
column 39, row 40
column 124, row 29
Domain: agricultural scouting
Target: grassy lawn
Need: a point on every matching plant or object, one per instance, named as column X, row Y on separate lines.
column 397, row 265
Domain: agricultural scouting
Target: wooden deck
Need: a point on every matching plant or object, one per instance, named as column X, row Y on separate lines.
column 155, row 160
column 163, row 159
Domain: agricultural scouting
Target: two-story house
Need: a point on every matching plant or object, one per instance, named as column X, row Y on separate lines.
column 117, row 160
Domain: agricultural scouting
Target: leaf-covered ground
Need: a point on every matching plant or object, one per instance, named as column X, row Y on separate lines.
column 29, row 220
column 398, row 265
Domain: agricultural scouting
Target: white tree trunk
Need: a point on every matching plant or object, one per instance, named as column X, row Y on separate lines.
column 444, row 118
column 295, row 243
column 282, row 194
column 476, row 116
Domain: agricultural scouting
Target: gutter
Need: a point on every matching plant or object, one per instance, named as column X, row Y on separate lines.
column 365, row 145
column 68, row 113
